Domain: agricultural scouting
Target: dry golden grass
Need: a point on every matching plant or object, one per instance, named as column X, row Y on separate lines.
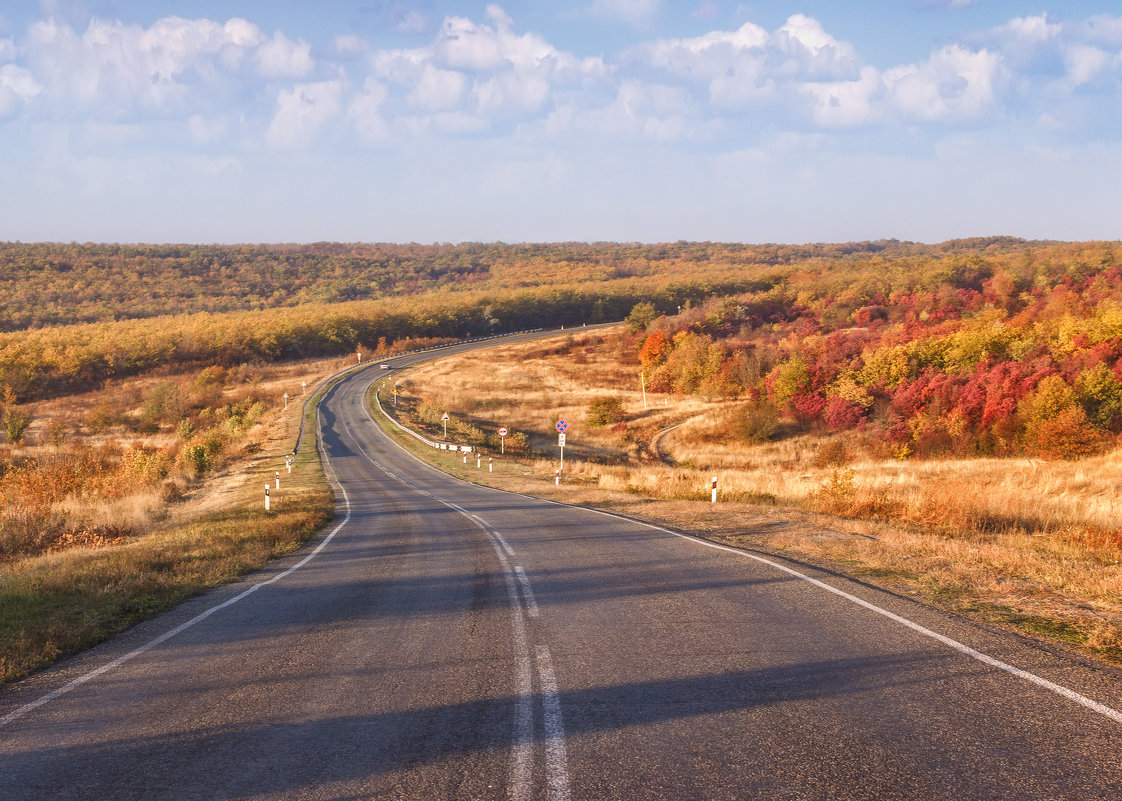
column 1025, row 543
column 97, row 584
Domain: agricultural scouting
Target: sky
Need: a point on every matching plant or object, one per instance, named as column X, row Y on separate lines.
column 590, row 120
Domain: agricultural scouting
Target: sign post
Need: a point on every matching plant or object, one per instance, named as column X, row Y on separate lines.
column 502, row 439
column 561, row 427
column 444, row 420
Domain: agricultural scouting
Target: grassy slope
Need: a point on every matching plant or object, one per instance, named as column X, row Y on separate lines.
column 59, row 603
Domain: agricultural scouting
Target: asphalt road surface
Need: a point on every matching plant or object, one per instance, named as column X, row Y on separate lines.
column 443, row 640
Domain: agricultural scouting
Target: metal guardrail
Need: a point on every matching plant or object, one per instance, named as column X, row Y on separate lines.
column 440, row 446
column 352, row 368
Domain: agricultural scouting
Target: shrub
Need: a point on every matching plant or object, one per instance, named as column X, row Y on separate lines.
column 196, row 458
column 16, row 421
column 100, row 418
column 837, row 491
column 603, row 411
column 833, row 453
column 755, row 422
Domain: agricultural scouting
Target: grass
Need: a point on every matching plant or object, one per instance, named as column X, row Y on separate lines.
column 57, row 603
column 1024, row 544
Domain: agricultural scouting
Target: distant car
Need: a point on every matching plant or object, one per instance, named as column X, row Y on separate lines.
column 383, row 367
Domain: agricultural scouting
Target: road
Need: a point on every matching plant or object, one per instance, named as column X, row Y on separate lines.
column 444, row 640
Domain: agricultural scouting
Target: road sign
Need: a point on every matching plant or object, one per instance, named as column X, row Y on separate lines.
column 562, row 426
column 561, row 439
column 445, row 418
column 502, row 431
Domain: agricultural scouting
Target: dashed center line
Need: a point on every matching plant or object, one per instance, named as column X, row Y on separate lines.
column 527, row 592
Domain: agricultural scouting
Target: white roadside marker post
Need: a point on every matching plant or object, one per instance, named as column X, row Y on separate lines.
column 286, row 401
column 288, row 463
column 444, row 420
column 714, row 490
column 266, row 497
column 278, row 479
column 478, row 461
column 359, row 354
column 303, row 387
column 557, row 478
column 490, row 464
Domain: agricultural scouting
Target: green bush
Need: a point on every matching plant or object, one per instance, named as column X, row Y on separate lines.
column 755, row 422
column 16, row 421
column 604, row 411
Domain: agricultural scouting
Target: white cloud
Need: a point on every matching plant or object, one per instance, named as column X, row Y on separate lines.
column 280, row 57
column 1085, row 63
column 1030, row 29
column 438, row 90
column 811, row 49
column 112, row 68
column 845, row 102
column 365, row 112
column 953, row 83
column 303, row 112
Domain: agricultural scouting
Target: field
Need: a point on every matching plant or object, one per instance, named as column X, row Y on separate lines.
column 1025, row 543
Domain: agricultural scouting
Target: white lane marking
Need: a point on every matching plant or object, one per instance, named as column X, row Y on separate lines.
column 557, row 768
column 93, row 674
column 521, row 771
column 1043, row 683
column 504, row 543
column 527, row 592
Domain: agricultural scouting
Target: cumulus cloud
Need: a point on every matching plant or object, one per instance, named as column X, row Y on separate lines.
column 475, row 72
column 484, row 75
column 303, row 112
column 280, row 57
column 17, row 86
column 113, row 69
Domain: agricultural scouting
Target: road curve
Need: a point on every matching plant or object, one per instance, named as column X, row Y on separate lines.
column 444, row 640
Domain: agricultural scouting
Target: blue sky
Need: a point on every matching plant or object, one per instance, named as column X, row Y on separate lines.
column 626, row 120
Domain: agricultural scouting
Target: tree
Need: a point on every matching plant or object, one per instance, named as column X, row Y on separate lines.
column 641, row 316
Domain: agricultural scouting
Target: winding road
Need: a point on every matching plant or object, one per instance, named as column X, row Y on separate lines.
column 445, row 640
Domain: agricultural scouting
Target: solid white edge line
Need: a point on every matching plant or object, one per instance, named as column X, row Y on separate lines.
column 1058, row 689
column 557, row 768
column 54, row 694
